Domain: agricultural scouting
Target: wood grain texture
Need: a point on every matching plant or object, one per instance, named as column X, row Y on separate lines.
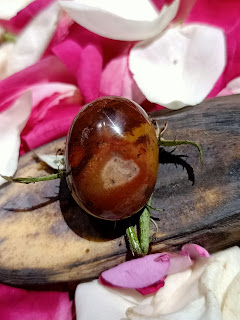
column 45, row 238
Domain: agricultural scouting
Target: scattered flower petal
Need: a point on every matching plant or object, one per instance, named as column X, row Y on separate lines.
column 69, row 52
column 194, row 251
column 225, row 15
column 124, row 20
column 52, row 102
column 138, row 273
column 152, row 288
column 184, row 10
column 89, row 73
column 5, row 52
column 23, row 17
column 12, row 121
column 147, row 274
column 107, row 305
column 55, row 161
column 181, row 66
column 231, row 306
column 179, row 262
column 19, row 304
column 33, row 40
column 46, row 70
column 198, row 293
column 116, row 79
column 233, row 87
column 8, row 9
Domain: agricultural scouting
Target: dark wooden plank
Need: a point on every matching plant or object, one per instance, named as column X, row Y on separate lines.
column 46, row 238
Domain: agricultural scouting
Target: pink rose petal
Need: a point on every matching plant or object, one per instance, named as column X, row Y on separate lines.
column 82, row 53
column 194, row 251
column 20, row 304
column 152, row 288
column 62, row 31
column 47, row 70
column 89, row 72
column 24, row 16
column 184, row 10
column 100, row 65
column 185, row 7
column 69, row 52
column 138, row 273
column 147, row 274
column 223, row 13
column 51, row 127
column 52, row 102
column 178, row 263
column 117, row 80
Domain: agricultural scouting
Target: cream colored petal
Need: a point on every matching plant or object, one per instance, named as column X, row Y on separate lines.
column 179, row 67
column 52, row 160
column 9, row 8
column 231, row 307
column 93, row 301
column 5, row 52
column 12, row 121
column 34, row 39
column 121, row 20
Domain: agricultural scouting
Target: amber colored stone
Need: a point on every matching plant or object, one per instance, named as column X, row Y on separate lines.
column 112, row 157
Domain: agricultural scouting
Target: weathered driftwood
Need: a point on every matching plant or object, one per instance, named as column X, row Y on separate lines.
column 46, row 238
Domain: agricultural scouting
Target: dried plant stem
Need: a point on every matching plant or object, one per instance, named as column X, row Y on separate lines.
column 28, row 180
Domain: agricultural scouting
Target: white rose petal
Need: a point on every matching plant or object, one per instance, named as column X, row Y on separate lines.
column 9, row 9
column 107, row 305
column 55, row 161
column 121, row 20
column 179, row 67
column 12, row 121
column 234, row 86
column 5, row 52
column 34, row 40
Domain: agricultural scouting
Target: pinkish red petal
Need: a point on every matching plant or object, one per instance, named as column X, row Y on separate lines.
column 23, row 17
column 47, row 70
column 117, row 80
column 61, row 32
column 223, row 13
column 82, row 53
column 138, row 273
column 153, row 288
column 50, row 107
column 99, row 64
column 147, row 274
column 89, row 72
column 184, row 10
column 20, row 304
column 52, row 102
column 39, row 131
column 185, row 7
column 194, row 251
column 69, row 52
